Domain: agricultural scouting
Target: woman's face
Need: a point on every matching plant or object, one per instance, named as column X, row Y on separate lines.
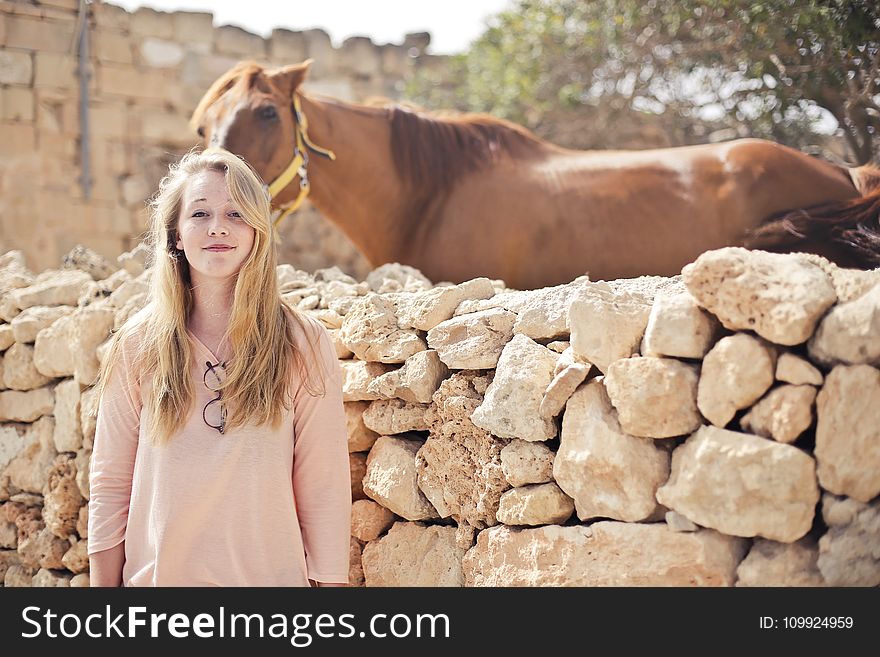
column 208, row 218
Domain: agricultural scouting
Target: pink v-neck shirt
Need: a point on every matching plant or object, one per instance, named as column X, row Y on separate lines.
column 251, row 507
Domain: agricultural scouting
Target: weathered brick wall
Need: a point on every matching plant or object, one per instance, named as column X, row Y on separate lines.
column 721, row 427
column 148, row 70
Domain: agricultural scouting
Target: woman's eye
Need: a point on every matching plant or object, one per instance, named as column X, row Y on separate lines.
column 237, row 215
column 199, row 213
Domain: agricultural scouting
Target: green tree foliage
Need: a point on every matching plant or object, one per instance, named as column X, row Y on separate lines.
column 613, row 73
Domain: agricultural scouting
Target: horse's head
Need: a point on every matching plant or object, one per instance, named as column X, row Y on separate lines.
column 249, row 111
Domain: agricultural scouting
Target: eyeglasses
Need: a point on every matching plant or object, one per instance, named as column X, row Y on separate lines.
column 213, row 382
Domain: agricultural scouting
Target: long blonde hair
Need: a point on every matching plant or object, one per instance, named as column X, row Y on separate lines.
column 260, row 334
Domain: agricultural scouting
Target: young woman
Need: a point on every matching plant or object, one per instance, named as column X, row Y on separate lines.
column 220, row 455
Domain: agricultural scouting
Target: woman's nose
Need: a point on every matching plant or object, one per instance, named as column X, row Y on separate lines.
column 217, row 227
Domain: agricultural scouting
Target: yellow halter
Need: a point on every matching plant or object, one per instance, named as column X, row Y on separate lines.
column 298, row 166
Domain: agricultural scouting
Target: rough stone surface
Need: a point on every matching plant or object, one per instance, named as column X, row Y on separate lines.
column 783, row 414
column 357, row 377
column 53, row 348
column 425, row 310
column 29, row 470
column 535, row 504
column 678, row 327
column 779, row 297
column 562, row 386
column 371, row 331
column 360, row 438
column 26, row 406
column 678, row 523
column 511, row 406
column 849, row 333
column 388, row 417
column 391, row 478
column 769, row 563
column 53, row 288
column 654, row 397
column 19, row 372
column 369, row 520
column 459, row 466
column 416, row 381
column 603, row 554
column 848, row 553
column 742, row 485
column 736, row 372
column 523, row 462
column 607, row 472
column 607, row 324
column 411, row 554
column 92, row 325
column 30, row 322
column 797, row 371
column 473, row 341
column 68, row 431
column 62, row 499
column 848, row 432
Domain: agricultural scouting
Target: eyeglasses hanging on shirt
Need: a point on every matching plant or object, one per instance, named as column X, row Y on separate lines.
column 214, row 413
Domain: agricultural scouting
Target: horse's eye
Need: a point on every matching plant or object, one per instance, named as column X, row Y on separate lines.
column 201, row 132
column 268, row 112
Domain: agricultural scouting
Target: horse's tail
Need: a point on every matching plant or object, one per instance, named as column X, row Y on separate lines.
column 847, row 232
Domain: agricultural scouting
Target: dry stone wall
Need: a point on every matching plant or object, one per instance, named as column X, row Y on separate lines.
column 148, row 70
column 717, row 428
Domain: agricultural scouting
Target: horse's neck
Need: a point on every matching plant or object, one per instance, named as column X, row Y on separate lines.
column 359, row 190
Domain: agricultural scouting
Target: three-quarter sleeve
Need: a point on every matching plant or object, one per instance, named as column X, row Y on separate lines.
column 321, row 473
column 113, row 455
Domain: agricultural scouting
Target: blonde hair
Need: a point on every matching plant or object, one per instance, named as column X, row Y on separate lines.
column 257, row 385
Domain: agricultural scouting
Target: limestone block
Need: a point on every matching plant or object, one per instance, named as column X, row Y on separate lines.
column 524, row 462
column 16, row 67
column 848, row 432
column 59, row 288
column 415, row 382
column 90, row 328
column 678, row 327
column 369, row 520
column 607, row 472
column 769, row 563
column 783, row 414
column 425, row 310
column 604, row 554
column 797, row 371
column 742, row 485
column 358, row 470
column 161, row 53
column 61, row 498
column 31, row 321
column 459, row 466
column 287, row 46
column 19, row 372
column 392, row 416
column 51, row 578
column 511, row 408
column 360, row 438
column 654, row 397
column 357, row 377
column 29, row 470
column 848, row 551
column 26, row 406
column 391, row 478
column 473, row 341
column 561, row 388
column 535, row 504
column 780, row 297
column 76, row 559
column 68, row 431
column 736, row 372
column 607, row 324
column 84, row 259
column 233, row 40
column 412, row 554
column 678, row 523
column 849, row 333
column 53, row 348
column 370, row 330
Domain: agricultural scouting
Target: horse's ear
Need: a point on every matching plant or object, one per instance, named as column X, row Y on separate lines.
column 289, row 78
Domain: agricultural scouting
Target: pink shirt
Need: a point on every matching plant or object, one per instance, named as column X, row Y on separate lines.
column 250, row 507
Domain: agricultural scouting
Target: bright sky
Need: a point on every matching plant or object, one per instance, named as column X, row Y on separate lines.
column 453, row 24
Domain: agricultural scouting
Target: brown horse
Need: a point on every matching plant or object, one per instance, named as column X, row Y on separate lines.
column 471, row 195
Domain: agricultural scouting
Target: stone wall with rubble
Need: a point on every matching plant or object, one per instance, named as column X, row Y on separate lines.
column 148, row 70
column 721, row 427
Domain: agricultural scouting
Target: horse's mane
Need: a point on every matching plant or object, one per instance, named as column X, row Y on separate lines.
column 249, row 71
column 847, row 232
